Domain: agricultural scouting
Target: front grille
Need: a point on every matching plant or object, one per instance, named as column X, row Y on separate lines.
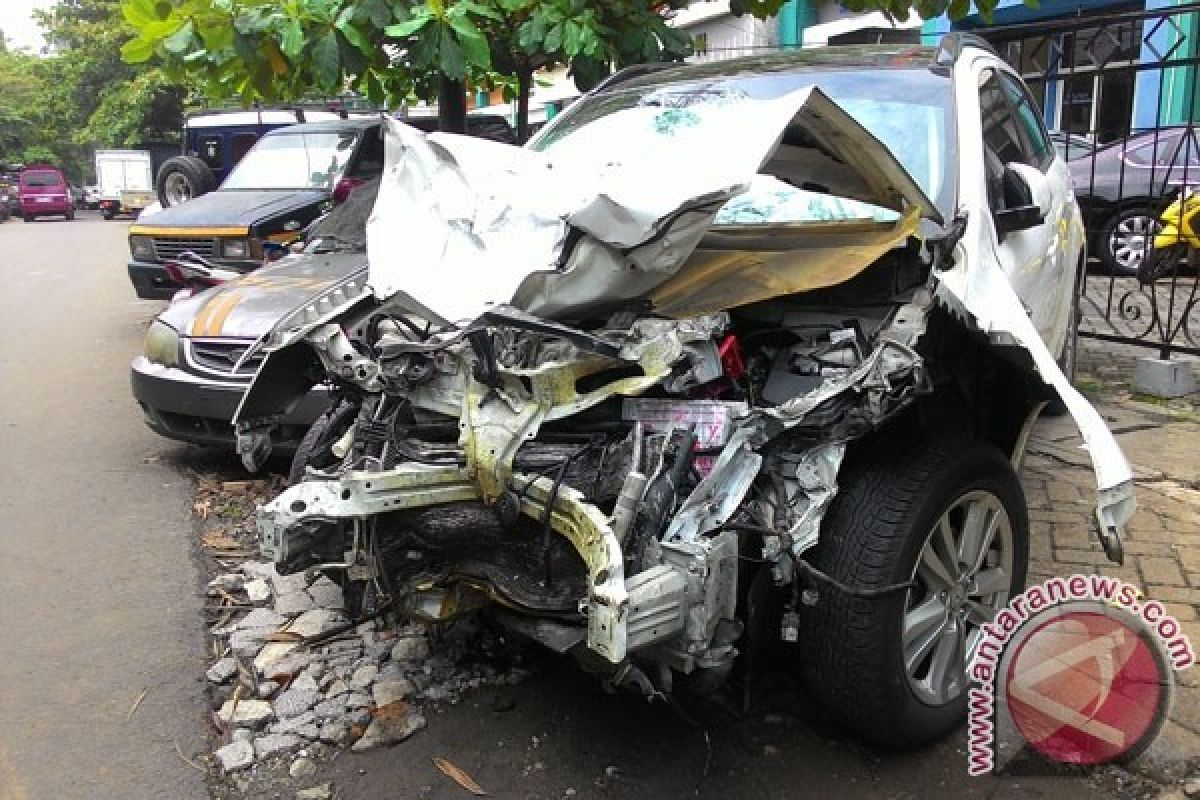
column 173, row 247
column 220, row 356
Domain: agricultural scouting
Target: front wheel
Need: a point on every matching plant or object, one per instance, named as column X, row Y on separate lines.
column 314, row 449
column 947, row 516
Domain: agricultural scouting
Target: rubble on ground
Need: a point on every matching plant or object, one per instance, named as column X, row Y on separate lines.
column 292, row 679
column 287, row 678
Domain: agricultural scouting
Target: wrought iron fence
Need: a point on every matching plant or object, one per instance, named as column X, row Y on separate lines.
column 1119, row 92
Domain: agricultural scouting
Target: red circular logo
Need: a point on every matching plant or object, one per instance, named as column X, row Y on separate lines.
column 1088, row 686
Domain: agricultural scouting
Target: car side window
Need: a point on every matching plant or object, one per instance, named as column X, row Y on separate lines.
column 241, row 144
column 369, row 163
column 1160, row 153
column 1029, row 123
column 1001, row 139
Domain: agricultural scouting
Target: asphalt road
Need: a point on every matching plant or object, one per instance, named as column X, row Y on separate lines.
column 98, row 591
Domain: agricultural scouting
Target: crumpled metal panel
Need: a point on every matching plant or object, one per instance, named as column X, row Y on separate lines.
column 982, row 290
column 808, row 256
column 462, row 223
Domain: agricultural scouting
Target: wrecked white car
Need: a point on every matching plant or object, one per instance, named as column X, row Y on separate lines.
column 738, row 350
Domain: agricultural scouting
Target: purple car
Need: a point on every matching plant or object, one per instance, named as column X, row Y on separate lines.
column 41, row 191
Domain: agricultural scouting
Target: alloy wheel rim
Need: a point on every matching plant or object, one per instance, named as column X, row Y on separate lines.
column 179, row 190
column 1130, row 240
column 963, row 578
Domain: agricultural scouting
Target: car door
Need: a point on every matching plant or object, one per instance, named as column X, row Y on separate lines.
column 1039, row 261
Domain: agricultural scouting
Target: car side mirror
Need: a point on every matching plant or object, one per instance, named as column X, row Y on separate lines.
column 1027, row 199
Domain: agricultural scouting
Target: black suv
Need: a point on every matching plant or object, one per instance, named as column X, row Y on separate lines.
column 288, row 179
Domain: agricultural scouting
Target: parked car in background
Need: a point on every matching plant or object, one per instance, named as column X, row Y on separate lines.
column 91, row 197
column 188, row 381
column 287, row 180
column 126, row 179
column 1123, row 187
column 8, row 190
column 1071, row 145
column 42, row 191
column 215, row 141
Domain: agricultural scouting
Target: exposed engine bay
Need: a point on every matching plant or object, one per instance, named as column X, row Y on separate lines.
column 606, row 481
column 606, row 449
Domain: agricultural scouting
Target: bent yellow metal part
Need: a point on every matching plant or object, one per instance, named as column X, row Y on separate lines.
column 363, row 494
column 731, row 267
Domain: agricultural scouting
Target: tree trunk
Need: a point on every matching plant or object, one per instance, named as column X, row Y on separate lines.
column 452, row 105
column 524, row 85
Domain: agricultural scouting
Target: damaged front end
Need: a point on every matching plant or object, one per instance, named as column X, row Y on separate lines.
column 604, row 411
column 598, row 482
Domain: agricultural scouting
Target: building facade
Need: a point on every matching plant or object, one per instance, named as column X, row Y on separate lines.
column 1100, row 68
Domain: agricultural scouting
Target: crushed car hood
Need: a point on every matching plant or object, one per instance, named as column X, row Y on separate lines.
column 578, row 226
column 249, row 307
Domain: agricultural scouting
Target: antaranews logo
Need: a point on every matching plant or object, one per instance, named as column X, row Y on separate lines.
column 1080, row 668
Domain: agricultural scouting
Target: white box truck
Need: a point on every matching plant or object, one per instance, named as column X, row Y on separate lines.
column 126, row 179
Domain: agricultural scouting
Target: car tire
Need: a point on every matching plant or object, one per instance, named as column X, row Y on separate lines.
column 27, row 217
column 107, row 214
column 181, row 178
column 313, row 450
column 888, row 513
column 1125, row 238
column 70, row 215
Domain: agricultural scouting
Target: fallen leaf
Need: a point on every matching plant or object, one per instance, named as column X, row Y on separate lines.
column 221, row 541
column 397, row 710
column 133, row 708
column 242, row 486
column 285, row 636
column 356, row 731
column 458, row 776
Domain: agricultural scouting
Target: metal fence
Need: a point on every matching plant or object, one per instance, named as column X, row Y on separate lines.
column 1119, row 91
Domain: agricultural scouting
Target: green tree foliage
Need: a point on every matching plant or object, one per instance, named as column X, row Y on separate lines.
column 394, row 50
column 82, row 95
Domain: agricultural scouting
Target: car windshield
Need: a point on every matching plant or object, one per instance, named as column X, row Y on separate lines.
column 909, row 110
column 40, row 179
column 294, row 161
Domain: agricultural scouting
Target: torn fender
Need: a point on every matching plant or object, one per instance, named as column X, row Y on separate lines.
column 983, row 291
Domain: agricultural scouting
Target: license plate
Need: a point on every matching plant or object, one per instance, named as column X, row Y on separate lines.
column 44, row 199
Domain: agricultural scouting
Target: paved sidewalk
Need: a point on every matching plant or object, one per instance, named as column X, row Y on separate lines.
column 1162, row 547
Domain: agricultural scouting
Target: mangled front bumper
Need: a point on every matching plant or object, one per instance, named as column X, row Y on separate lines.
column 620, row 616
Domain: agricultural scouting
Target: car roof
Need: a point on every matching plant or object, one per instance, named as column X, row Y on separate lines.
column 897, row 56
column 328, row 126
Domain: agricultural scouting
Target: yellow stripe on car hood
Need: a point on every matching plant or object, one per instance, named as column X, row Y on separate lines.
column 154, row 230
column 211, row 318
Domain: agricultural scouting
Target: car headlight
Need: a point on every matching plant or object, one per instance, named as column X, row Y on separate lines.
column 235, row 248
column 162, row 344
column 141, row 246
